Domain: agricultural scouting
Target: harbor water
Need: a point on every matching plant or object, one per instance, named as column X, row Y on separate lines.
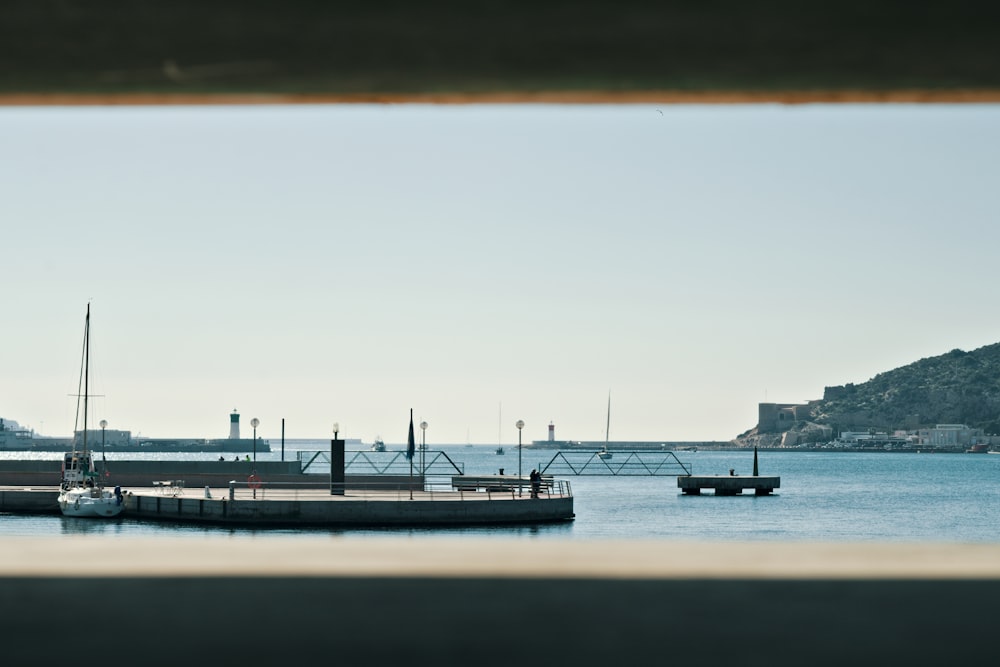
column 824, row 496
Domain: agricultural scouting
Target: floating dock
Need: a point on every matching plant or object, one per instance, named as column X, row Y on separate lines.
column 728, row 485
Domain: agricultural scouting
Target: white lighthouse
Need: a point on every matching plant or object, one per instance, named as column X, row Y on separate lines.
column 552, row 432
column 234, row 425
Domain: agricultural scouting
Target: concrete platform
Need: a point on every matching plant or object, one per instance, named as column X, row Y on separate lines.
column 728, row 485
column 408, row 600
column 308, row 506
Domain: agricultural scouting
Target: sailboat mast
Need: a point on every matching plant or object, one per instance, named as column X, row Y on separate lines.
column 86, row 374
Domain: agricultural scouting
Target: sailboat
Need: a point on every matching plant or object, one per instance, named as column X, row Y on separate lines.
column 604, row 453
column 82, row 492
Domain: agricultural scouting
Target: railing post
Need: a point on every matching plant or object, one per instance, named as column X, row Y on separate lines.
column 232, row 489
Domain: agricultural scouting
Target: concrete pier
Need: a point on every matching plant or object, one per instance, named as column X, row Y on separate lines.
column 728, row 485
column 129, row 474
column 239, row 505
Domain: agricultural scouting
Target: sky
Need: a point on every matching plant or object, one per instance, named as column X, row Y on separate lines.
column 481, row 264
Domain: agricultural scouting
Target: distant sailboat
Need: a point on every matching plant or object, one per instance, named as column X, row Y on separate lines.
column 82, row 491
column 604, row 453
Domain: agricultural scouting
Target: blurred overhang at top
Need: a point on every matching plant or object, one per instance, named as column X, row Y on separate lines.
column 164, row 51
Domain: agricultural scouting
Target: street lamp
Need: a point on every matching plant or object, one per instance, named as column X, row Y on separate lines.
column 104, row 425
column 519, row 425
column 423, row 444
column 255, row 423
column 253, row 474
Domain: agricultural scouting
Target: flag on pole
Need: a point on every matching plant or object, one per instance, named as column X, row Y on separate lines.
column 410, row 443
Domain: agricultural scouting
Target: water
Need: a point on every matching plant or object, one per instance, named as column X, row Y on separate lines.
column 824, row 496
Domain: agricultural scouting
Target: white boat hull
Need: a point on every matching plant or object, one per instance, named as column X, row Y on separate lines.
column 90, row 503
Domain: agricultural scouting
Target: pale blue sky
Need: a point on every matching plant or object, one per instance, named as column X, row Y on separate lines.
column 483, row 264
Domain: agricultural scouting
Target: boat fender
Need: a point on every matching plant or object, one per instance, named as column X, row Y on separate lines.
column 76, row 505
column 253, row 481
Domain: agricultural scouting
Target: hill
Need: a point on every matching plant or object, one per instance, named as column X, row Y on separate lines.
column 954, row 388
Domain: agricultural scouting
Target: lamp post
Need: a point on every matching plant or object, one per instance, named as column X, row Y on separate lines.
column 519, row 425
column 104, row 425
column 255, row 423
column 253, row 473
column 423, row 444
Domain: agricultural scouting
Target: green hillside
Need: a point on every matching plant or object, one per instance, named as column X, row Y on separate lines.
column 954, row 388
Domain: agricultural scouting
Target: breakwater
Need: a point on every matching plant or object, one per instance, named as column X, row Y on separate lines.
column 34, row 473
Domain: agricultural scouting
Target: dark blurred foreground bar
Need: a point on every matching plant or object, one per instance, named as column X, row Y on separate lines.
column 268, row 599
column 449, row 50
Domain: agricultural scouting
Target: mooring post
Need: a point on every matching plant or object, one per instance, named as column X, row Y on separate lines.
column 755, row 473
column 232, row 489
column 336, row 464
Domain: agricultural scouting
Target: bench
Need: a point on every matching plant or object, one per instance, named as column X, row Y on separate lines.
column 498, row 483
column 169, row 487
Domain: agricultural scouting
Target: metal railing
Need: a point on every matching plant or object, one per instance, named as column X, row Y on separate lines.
column 432, row 462
column 437, row 490
column 620, row 463
column 549, row 488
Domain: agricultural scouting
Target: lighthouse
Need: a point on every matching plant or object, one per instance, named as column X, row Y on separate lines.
column 552, row 432
column 234, row 425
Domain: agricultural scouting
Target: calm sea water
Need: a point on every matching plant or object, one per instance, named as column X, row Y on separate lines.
column 824, row 496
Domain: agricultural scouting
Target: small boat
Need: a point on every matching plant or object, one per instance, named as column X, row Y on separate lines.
column 378, row 445
column 82, row 492
column 499, row 451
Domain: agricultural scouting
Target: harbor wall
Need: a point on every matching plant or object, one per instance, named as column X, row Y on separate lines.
column 625, row 445
column 196, row 474
column 29, row 501
column 143, row 473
